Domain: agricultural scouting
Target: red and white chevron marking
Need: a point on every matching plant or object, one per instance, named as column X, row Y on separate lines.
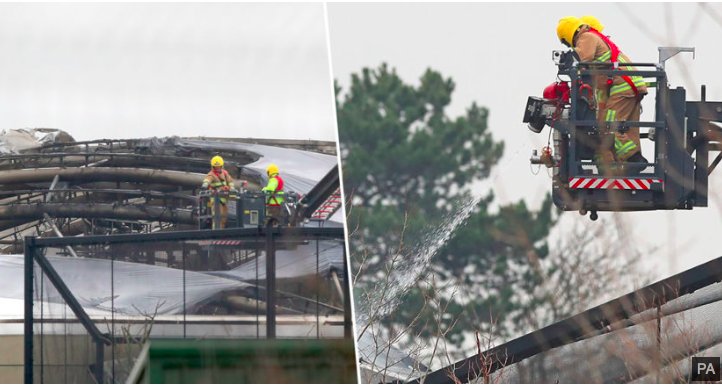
column 612, row 183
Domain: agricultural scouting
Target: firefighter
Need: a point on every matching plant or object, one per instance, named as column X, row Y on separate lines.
column 218, row 179
column 274, row 195
column 617, row 98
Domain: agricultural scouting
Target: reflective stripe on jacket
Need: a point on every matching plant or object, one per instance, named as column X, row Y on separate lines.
column 623, row 86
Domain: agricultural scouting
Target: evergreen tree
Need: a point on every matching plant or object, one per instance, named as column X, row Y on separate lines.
column 407, row 166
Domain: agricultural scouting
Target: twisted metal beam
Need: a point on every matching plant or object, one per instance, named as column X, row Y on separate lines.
column 97, row 210
column 108, row 174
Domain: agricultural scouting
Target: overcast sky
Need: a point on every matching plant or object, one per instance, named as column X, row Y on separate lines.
column 499, row 54
column 140, row 70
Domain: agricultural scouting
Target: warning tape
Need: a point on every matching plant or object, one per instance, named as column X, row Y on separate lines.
column 220, row 243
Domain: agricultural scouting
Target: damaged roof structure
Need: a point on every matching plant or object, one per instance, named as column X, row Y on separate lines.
column 54, row 186
column 110, row 186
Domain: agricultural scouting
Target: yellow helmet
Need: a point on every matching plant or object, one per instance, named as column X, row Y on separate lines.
column 217, row 161
column 271, row 169
column 592, row 22
column 566, row 29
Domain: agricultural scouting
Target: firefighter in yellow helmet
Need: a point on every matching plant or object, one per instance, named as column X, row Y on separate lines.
column 218, row 179
column 618, row 98
column 274, row 194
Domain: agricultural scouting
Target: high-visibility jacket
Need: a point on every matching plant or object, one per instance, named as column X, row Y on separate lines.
column 274, row 190
column 591, row 47
column 216, row 181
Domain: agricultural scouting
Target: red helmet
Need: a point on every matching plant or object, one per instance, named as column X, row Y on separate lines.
column 557, row 91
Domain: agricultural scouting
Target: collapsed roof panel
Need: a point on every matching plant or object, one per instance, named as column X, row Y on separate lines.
column 14, row 141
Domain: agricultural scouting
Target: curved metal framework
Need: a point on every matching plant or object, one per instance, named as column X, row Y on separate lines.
column 109, row 186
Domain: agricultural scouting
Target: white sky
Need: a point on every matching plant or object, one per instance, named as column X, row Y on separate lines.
column 499, row 54
column 187, row 69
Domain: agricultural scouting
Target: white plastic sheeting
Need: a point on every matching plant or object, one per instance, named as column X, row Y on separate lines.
column 298, row 262
column 12, row 141
column 138, row 289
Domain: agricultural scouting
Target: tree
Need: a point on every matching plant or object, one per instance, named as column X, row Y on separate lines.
column 402, row 154
column 407, row 168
